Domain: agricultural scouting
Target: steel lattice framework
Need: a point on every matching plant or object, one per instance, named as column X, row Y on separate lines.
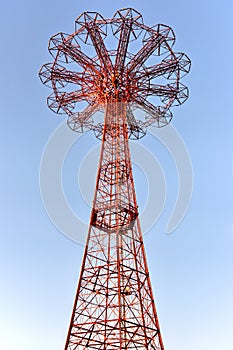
column 114, row 306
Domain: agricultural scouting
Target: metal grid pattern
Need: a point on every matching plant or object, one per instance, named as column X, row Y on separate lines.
column 114, row 306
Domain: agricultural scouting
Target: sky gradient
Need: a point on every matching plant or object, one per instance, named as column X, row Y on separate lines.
column 192, row 268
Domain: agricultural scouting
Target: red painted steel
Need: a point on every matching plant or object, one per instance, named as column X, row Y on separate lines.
column 114, row 306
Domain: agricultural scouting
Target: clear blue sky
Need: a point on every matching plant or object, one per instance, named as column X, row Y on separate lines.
column 192, row 269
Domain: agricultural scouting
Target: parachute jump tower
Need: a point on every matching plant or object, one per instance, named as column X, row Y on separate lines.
column 115, row 66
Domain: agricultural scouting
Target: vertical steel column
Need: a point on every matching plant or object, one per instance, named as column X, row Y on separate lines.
column 114, row 307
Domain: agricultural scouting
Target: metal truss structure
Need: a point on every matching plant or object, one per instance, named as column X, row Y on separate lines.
column 114, row 306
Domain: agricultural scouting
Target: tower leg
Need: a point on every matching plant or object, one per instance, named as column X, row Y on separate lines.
column 114, row 306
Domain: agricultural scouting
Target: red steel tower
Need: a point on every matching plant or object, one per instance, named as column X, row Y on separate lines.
column 114, row 306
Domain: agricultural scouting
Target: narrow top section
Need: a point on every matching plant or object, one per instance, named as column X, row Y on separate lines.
column 115, row 60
